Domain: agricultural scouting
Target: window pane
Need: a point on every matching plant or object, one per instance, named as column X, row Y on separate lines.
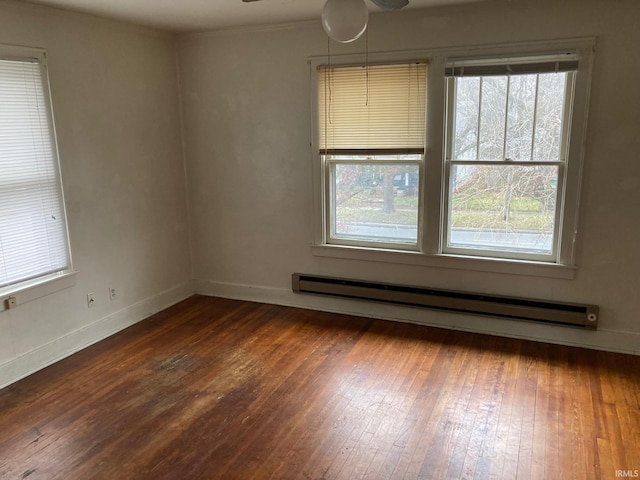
column 465, row 146
column 520, row 113
column 549, row 117
column 529, row 109
column 375, row 202
column 493, row 111
column 504, row 208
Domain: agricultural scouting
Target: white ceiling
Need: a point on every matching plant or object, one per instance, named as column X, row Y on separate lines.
column 197, row 15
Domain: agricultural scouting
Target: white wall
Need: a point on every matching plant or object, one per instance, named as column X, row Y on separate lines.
column 246, row 109
column 116, row 104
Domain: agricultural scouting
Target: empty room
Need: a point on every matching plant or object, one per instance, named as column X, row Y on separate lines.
column 319, row 239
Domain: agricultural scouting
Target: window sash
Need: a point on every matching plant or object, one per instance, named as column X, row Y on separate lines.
column 372, row 241
column 525, row 243
column 536, row 149
column 33, row 231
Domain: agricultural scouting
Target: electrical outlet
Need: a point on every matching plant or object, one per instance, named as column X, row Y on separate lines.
column 113, row 294
column 91, row 300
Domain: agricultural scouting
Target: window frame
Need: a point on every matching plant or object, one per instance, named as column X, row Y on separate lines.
column 561, row 165
column 46, row 283
column 333, row 238
column 330, row 159
column 432, row 226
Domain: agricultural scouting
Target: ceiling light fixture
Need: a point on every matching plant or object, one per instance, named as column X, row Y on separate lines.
column 345, row 20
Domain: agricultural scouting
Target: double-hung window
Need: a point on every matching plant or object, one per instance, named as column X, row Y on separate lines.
column 508, row 124
column 478, row 167
column 372, row 146
column 33, row 231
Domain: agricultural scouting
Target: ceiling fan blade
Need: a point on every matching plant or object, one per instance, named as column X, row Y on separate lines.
column 391, row 4
column 383, row 4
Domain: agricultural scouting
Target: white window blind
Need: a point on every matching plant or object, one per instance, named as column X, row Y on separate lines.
column 377, row 109
column 33, row 234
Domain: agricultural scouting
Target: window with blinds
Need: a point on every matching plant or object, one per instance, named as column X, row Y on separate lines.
column 464, row 155
column 33, row 231
column 371, row 142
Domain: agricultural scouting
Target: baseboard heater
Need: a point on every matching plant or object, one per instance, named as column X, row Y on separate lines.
column 573, row 314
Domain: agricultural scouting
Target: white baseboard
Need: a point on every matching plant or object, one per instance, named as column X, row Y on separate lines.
column 75, row 341
column 601, row 339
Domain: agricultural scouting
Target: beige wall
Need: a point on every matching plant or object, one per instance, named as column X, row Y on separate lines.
column 246, row 110
column 115, row 98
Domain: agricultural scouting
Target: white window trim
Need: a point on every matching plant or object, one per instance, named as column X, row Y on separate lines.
column 38, row 288
column 560, row 164
column 44, row 285
column 430, row 236
column 336, row 239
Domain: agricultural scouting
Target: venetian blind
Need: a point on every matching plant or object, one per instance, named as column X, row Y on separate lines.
column 373, row 109
column 33, row 239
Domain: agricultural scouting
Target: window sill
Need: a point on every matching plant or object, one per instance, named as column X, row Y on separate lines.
column 38, row 288
column 479, row 264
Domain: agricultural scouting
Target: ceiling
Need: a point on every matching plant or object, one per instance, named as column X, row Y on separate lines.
column 198, row 15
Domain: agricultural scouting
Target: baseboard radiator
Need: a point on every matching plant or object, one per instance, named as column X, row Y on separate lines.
column 572, row 314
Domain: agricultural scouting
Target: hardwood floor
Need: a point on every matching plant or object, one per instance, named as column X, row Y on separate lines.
column 214, row 388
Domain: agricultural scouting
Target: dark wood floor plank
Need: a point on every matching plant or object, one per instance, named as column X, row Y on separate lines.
column 622, row 420
column 363, row 447
column 630, row 415
column 383, row 435
column 446, row 425
column 224, row 389
column 554, row 468
column 428, row 383
column 364, row 407
column 288, row 396
column 350, row 420
column 502, row 449
column 394, row 437
column 488, row 422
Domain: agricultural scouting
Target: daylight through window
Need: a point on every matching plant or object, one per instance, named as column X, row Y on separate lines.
column 481, row 162
column 33, row 232
column 507, row 141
